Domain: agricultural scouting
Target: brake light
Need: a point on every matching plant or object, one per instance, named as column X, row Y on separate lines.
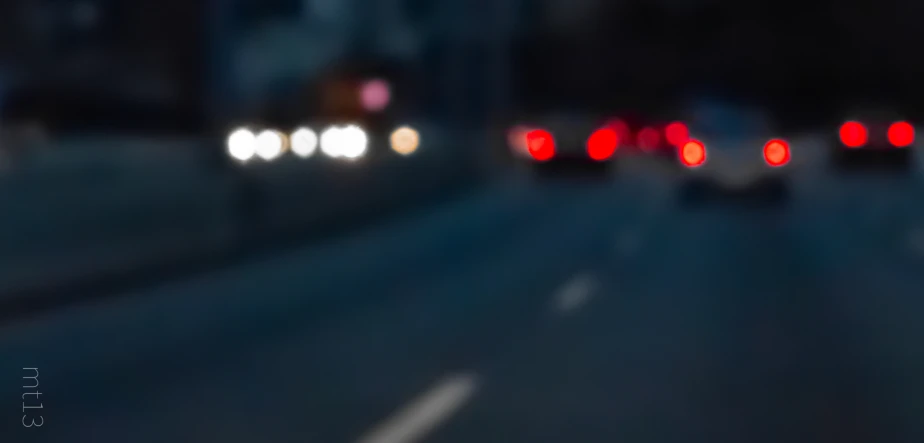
column 648, row 138
column 677, row 133
column 776, row 152
column 693, row 153
column 602, row 144
column 540, row 144
column 901, row 134
column 853, row 134
column 623, row 133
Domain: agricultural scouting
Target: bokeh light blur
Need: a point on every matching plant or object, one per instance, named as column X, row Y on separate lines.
column 901, row 134
column 242, row 144
column 348, row 142
column 853, row 134
column 677, row 133
column 693, row 153
column 375, row 95
column 602, row 143
column 304, row 142
column 405, row 140
column 540, row 144
column 270, row 144
column 546, row 268
column 516, row 139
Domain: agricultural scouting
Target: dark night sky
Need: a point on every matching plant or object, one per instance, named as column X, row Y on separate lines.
column 631, row 52
column 794, row 53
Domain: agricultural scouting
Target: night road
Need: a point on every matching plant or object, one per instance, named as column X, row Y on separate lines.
column 572, row 311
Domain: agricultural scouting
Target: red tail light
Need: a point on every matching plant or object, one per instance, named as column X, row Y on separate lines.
column 602, row 144
column 677, row 134
column 623, row 133
column 901, row 134
column 541, row 144
column 776, row 152
column 853, row 134
column 648, row 138
column 693, row 153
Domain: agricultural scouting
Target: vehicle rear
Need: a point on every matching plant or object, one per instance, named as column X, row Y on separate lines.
column 564, row 144
column 873, row 139
column 734, row 152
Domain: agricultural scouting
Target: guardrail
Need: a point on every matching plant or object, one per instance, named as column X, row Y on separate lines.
column 69, row 233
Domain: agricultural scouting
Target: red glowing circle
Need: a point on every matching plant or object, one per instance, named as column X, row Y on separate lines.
column 602, row 144
column 776, row 152
column 901, row 134
column 853, row 134
column 693, row 153
column 541, row 144
column 677, row 133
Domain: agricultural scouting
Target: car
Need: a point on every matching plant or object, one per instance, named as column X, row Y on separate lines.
column 734, row 154
column 874, row 137
column 564, row 143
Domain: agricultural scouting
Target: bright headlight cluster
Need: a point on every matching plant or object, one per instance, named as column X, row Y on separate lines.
column 244, row 144
column 270, row 144
column 348, row 142
column 304, row 142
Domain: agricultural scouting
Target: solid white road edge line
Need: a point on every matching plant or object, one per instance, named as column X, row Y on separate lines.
column 424, row 414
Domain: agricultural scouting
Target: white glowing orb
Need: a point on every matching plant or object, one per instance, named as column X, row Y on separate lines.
column 242, row 144
column 270, row 144
column 304, row 142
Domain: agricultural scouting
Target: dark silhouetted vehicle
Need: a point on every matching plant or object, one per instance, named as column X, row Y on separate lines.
column 734, row 153
column 565, row 143
column 874, row 137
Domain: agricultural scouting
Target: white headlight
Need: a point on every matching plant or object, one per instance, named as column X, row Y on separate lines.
column 304, row 142
column 355, row 142
column 332, row 141
column 242, row 144
column 405, row 140
column 270, row 144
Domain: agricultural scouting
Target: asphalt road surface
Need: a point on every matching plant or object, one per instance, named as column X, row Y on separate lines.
column 560, row 312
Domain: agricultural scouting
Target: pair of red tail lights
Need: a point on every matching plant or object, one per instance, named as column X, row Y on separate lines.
column 776, row 153
column 854, row 134
column 603, row 143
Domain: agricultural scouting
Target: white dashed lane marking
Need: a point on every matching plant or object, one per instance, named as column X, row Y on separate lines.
column 426, row 413
column 574, row 293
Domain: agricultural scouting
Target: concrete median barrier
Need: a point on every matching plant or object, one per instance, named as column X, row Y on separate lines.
column 67, row 237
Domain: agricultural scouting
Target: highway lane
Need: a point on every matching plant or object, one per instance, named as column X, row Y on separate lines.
column 577, row 312
column 366, row 303
column 731, row 326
